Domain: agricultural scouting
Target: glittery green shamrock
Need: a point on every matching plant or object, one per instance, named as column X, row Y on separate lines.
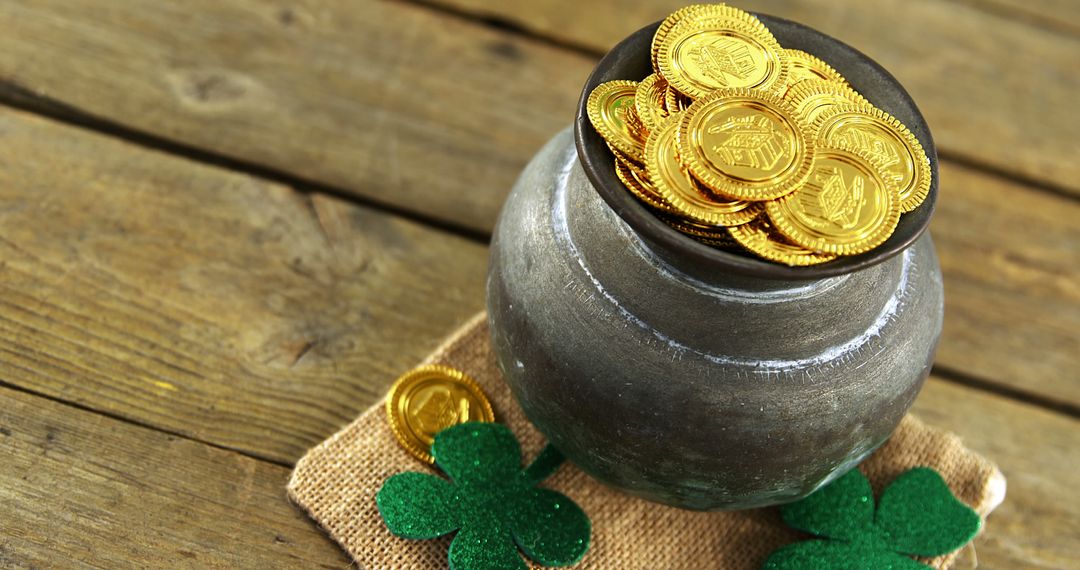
column 917, row 515
column 490, row 501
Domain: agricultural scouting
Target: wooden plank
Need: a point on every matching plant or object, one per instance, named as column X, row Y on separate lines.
column 1011, row 265
column 94, row 492
column 1038, row 525
column 234, row 311
column 205, row 302
column 79, row 490
column 985, row 83
column 1060, row 15
column 384, row 100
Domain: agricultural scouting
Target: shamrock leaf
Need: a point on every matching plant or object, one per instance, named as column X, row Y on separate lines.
column 917, row 515
column 490, row 501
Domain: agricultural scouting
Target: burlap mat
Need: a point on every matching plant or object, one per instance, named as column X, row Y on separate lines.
column 336, row 484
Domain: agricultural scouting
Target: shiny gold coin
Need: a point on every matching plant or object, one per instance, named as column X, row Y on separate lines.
column 865, row 127
column 675, row 102
column 666, row 26
column 745, row 144
column 844, row 208
column 649, row 101
column 761, row 239
column 812, row 97
column 429, row 399
column 721, row 48
column 676, row 187
column 638, row 184
column 802, row 65
column 695, row 229
column 726, row 243
column 611, row 111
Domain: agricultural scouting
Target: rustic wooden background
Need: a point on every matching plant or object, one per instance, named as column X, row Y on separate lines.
column 227, row 225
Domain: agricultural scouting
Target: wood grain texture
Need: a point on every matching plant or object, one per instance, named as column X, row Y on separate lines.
column 208, row 303
column 79, row 490
column 1011, row 264
column 1060, row 15
column 391, row 102
column 94, row 492
column 985, row 82
column 1038, row 525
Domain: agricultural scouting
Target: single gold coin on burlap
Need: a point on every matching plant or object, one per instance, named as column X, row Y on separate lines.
column 640, row 186
column 678, row 188
column 719, row 47
column 867, row 128
column 802, row 65
column 429, row 399
column 745, row 144
column 611, row 110
column 759, row 237
column 812, row 97
column 649, row 101
column 844, row 208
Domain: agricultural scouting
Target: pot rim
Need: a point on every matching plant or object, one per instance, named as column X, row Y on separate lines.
column 629, row 59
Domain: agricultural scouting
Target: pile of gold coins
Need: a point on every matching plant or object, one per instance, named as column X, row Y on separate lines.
column 747, row 146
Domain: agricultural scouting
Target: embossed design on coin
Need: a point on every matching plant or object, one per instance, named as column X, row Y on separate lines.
column 696, row 59
column 611, row 111
column 745, row 145
column 845, row 207
column 864, row 127
column 676, row 187
column 429, row 399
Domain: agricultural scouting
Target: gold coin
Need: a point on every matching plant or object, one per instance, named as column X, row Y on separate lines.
column 429, row 399
column 649, row 101
column 867, row 128
column 695, row 229
column 760, row 238
column 802, row 65
column 676, row 187
column 675, row 102
column 665, row 27
column 845, row 207
column 638, row 184
column 611, row 111
column 745, row 144
column 812, row 97
column 721, row 47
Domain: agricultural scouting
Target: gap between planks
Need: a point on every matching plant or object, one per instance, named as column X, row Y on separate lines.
column 17, row 97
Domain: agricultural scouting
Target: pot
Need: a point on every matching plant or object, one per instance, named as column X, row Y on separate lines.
column 692, row 376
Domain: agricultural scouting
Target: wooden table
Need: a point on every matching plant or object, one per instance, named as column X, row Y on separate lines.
column 227, row 225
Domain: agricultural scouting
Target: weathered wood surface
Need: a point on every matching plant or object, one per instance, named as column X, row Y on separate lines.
column 274, row 308
column 1058, row 15
column 985, row 82
column 205, row 302
column 356, row 95
column 79, row 490
column 392, row 102
column 238, row 313
column 1038, row 525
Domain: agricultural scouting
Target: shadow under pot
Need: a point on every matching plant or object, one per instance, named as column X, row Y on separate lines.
column 692, row 376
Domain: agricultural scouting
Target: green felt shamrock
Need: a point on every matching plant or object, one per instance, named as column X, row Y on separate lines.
column 917, row 515
column 490, row 501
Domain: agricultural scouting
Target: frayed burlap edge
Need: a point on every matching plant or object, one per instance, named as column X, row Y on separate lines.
column 336, row 483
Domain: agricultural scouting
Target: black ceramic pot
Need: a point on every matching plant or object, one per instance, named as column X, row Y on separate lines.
column 692, row 376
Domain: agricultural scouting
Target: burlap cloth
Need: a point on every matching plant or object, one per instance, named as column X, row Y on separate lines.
column 336, row 484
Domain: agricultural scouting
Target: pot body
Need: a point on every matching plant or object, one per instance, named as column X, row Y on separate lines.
column 696, row 388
